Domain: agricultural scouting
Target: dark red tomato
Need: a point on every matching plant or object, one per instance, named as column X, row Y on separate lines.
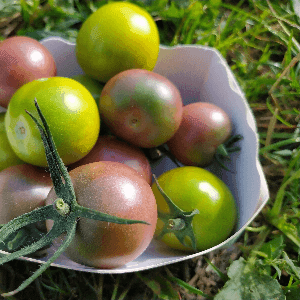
column 22, row 189
column 203, row 128
column 141, row 107
column 22, row 59
column 109, row 148
column 115, row 189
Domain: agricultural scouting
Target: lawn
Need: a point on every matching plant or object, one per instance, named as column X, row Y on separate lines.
column 259, row 40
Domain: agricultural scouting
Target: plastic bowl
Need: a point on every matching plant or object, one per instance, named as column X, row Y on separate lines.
column 201, row 74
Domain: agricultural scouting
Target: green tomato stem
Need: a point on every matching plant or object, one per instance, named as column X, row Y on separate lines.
column 176, row 224
column 45, row 240
column 57, row 169
column 62, row 207
column 85, row 212
column 19, row 238
column 40, row 214
column 63, row 246
column 224, row 150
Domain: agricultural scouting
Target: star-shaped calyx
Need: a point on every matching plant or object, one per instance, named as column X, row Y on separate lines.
column 177, row 221
column 65, row 211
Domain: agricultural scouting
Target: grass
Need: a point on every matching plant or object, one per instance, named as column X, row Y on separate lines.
column 259, row 39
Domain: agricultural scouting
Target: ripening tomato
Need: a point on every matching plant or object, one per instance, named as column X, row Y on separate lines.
column 22, row 59
column 117, row 37
column 118, row 190
column 141, row 107
column 196, row 188
column 22, row 189
column 7, row 156
column 109, row 148
column 204, row 127
column 71, row 112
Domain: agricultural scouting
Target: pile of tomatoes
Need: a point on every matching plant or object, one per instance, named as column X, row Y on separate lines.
column 117, row 48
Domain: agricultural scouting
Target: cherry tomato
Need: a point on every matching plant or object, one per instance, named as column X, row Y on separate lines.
column 116, row 37
column 118, row 190
column 22, row 189
column 204, row 127
column 109, row 148
column 7, row 155
column 141, row 107
column 22, row 59
column 72, row 115
column 196, row 188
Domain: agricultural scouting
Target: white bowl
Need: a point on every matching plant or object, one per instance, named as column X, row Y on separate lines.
column 201, row 74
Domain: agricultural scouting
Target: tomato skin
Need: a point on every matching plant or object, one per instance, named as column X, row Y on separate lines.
column 203, row 128
column 141, row 107
column 70, row 111
column 109, row 148
column 22, row 189
column 7, row 155
column 94, row 86
column 119, row 190
column 22, row 59
column 196, row 188
column 121, row 36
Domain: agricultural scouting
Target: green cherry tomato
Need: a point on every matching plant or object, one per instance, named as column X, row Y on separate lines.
column 7, row 155
column 116, row 37
column 70, row 110
column 193, row 188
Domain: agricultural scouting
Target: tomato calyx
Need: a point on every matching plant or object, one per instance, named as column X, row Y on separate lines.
column 177, row 221
column 65, row 212
column 221, row 154
column 17, row 239
column 224, row 150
